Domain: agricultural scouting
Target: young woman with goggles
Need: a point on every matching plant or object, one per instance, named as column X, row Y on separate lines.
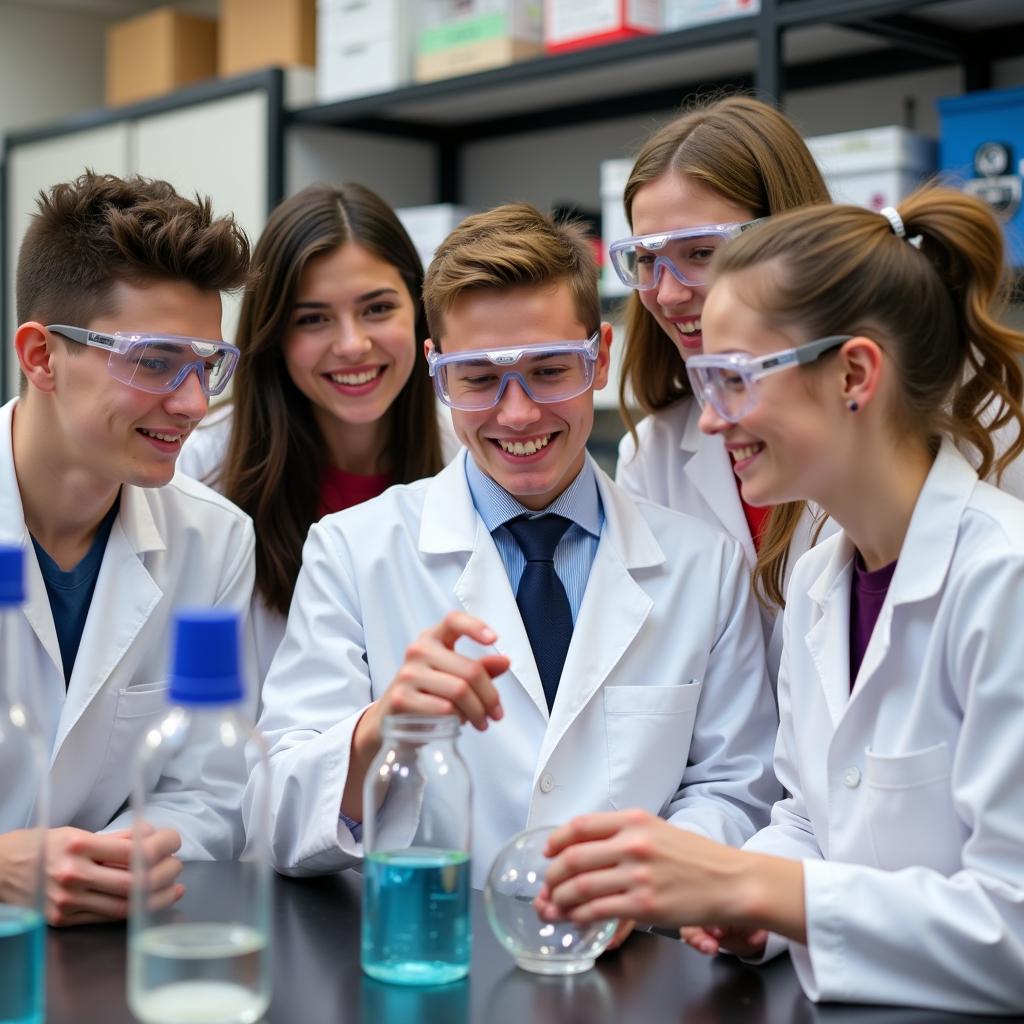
column 854, row 370
column 698, row 183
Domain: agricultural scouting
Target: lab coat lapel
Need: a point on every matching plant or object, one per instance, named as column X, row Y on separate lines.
column 13, row 530
column 124, row 598
column 450, row 523
column 709, row 469
column 828, row 640
column 613, row 611
column 926, row 553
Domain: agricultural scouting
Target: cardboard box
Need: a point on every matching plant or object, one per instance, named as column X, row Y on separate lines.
column 429, row 226
column 258, row 34
column 363, row 47
column 575, row 24
column 614, row 226
column 458, row 37
column 687, row 13
column 874, row 168
column 157, row 53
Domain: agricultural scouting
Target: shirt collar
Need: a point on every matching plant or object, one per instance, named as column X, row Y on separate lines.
column 580, row 502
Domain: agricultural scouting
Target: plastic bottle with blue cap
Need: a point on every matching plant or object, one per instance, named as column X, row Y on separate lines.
column 205, row 958
column 24, row 767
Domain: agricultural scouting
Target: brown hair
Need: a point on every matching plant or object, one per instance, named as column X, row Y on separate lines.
column 276, row 455
column 932, row 305
column 512, row 246
column 98, row 230
column 751, row 155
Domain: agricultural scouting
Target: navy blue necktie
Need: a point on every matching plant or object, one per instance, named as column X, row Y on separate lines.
column 543, row 605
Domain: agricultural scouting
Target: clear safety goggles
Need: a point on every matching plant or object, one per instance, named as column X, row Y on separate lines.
column 686, row 254
column 551, row 372
column 729, row 381
column 159, row 363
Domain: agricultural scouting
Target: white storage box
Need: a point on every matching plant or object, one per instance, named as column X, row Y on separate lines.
column 363, row 47
column 876, row 167
column 687, row 13
column 429, row 226
column 614, row 174
column 574, row 24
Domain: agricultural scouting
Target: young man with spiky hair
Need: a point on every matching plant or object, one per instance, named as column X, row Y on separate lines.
column 119, row 344
column 606, row 652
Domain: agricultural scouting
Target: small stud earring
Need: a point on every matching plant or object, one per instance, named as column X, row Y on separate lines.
column 852, row 405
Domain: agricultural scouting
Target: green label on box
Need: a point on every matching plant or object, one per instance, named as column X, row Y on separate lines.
column 459, row 33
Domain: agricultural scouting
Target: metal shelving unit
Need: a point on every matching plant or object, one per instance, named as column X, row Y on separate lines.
column 789, row 45
column 775, row 52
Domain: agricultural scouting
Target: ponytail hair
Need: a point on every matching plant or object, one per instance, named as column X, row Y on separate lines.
column 931, row 299
column 752, row 156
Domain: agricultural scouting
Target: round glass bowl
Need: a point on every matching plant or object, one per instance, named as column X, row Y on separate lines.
column 513, row 883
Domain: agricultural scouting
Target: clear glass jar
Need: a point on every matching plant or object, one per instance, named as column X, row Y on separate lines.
column 416, row 843
column 206, row 958
column 25, row 769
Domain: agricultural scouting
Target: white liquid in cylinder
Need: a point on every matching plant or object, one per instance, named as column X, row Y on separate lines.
column 199, row 974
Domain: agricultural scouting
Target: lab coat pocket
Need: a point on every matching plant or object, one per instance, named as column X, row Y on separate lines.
column 137, row 708
column 142, row 701
column 648, row 731
column 909, row 805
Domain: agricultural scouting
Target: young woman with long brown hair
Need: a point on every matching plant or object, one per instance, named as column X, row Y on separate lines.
column 858, row 356
column 696, row 183
column 332, row 399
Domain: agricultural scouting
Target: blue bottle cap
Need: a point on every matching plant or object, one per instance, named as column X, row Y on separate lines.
column 12, row 574
column 206, row 655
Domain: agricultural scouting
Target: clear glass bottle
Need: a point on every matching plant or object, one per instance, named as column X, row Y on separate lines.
column 416, row 844
column 206, row 958
column 24, row 767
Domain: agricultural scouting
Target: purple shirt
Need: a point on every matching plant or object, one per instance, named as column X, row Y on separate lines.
column 867, row 595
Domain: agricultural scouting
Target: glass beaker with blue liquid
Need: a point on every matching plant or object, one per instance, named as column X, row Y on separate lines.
column 24, row 767
column 416, row 842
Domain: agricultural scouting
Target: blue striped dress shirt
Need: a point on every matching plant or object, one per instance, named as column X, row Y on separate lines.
column 580, row 503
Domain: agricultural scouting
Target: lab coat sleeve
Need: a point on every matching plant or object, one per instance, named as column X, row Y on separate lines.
column 629, row 470
column 199, row 791
column 916, row 936
column 728, row 787
column 316, row 691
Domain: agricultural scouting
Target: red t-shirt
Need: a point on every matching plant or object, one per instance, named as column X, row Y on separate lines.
column 757, row 518
column 340, row 489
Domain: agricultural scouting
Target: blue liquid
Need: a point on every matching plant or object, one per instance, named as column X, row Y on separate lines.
column 21, row 965
column 416, row 928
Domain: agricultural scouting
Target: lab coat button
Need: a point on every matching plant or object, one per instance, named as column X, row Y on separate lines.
column 851, row 778
column 547, row 783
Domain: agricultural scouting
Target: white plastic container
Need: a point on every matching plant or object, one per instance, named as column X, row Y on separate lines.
column 614, row 174
column 205, row 958
column 363, row 47
column 876, row 167
column 429, row 226
column 24, row 767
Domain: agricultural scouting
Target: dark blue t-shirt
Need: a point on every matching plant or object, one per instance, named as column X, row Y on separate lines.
column 70, row 592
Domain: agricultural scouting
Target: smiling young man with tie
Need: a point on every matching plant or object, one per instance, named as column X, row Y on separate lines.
column 606, row 652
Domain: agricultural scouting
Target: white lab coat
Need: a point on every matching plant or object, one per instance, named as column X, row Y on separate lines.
column 681, row 468
column 202, row 457
column 906, row 803
column 176, row 545
column 668, row 601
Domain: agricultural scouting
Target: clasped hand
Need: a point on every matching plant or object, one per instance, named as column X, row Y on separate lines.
column 88, row 875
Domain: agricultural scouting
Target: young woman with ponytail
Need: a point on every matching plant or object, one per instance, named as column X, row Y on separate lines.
column 856, row 358
column 724, row 163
